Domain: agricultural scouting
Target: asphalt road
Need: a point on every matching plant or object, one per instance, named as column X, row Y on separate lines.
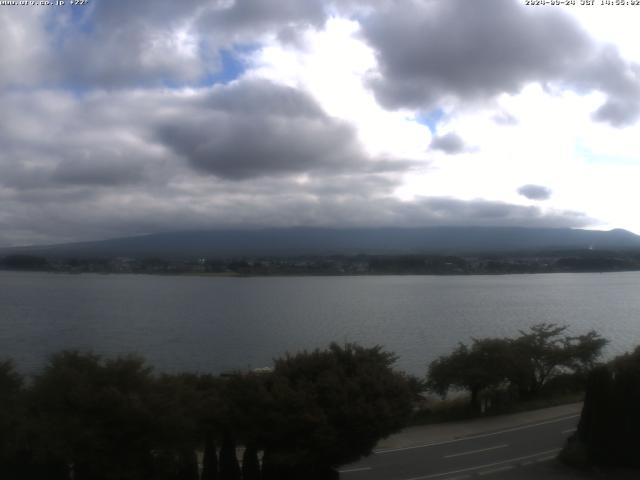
column 500, row 454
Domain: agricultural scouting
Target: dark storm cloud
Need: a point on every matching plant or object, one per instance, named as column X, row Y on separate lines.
column 472, row 51
column 255, row 129
column 535, row 192
column 450, row 143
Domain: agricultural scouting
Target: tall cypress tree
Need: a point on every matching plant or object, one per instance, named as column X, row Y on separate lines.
column 595, row 427
column 166, row 465
column 229, row 468
column 210, row 459
column 274, row 469
column 607, row 432
column 268, row 471
column 188, row 465
column 250, row 463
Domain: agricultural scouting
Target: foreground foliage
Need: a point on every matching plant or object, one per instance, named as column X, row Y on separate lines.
column 607, row 434
column 521, row 367
column 335, row 406
column 89, row 418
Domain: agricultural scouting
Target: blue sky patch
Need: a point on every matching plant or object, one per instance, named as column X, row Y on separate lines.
column 589, row 156
column 232, row 64
column 431, row 119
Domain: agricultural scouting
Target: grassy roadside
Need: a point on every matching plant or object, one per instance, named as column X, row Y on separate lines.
column 436, row 410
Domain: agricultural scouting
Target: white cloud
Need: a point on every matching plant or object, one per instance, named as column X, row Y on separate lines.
column 81, row 157
column 23, row 56
column 615, row 24
column 331, row 66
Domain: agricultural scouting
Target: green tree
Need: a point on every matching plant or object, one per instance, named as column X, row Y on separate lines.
column 189, row 411
column 246, row 399
column 12, row 417
column 546, row 350
column 481, row 366
column 607, row 433
column 94, row 415
column 584, row 351
column 177, row 403
column 330, row 407
column 525, row 363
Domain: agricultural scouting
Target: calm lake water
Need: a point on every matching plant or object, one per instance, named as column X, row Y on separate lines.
column 211, row 324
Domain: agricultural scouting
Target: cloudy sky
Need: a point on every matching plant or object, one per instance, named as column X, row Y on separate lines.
column 121, row 118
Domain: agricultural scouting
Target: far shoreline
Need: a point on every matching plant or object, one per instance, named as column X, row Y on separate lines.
column 309, row 275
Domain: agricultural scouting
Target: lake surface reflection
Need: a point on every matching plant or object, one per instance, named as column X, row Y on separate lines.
column 213, row 324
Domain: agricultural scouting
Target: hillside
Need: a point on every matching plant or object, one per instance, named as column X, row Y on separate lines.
column 329, row 241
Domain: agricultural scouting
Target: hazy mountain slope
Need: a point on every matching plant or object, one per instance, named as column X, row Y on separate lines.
column 299, row 241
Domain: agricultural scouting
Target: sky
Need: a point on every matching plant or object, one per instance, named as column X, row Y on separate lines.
column 124, row 118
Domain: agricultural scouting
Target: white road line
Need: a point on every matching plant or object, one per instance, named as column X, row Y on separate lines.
column 480, row 467
column 568, row 430
column 545, row 459
column 471, row 452
column 351, row 470
column 497, row 470
column 473, row 437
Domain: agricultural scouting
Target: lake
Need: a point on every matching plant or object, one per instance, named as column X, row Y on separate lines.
column 215, row 324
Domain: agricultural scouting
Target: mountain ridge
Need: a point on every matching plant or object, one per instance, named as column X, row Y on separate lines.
column 293, row 241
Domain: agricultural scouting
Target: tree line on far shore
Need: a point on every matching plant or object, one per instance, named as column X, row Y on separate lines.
column 346, row 264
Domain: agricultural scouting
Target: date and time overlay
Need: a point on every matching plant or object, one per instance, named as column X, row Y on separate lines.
column 532, row 3
column 43, row 3
column 582, row 3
